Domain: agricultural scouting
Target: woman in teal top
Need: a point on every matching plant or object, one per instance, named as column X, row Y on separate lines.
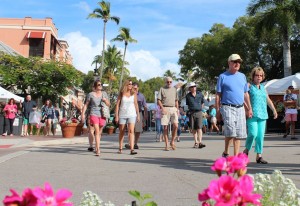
column 257, row 124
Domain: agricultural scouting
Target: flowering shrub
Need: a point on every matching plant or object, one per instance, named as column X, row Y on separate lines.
column 91, row 199
column 69, row 121
column 276, row 189
column 39, row 196
column 228, row 190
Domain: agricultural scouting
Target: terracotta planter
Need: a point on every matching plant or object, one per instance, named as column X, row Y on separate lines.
column 68, row 130
column 110, row 130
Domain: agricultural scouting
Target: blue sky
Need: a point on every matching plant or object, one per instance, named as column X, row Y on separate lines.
column 161, row 27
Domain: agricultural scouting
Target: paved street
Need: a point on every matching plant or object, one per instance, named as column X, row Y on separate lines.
column 172, row 177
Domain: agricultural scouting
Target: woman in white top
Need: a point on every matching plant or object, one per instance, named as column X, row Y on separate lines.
column 94, row 101
column 127, row 113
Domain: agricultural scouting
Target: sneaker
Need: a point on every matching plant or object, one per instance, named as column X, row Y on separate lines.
column 4, row 134
column 260, row 160
column 136, row 146
column 127, row 146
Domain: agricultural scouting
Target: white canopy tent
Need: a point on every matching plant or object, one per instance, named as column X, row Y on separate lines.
column 6, row 95
column 279, row 86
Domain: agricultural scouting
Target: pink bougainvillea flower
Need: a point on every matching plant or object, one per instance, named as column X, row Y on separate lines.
column 220, row 165
column 205, row 204
column 203, row 196
column 246, row 192
column 14, row 199
column 28, row 198
column 46, row 196
column 224, row 190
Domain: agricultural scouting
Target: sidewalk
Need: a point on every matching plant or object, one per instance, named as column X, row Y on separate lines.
column 41, row 140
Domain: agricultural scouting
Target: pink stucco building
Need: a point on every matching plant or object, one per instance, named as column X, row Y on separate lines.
column 34, row 37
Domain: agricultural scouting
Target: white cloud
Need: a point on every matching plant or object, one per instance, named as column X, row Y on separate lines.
column 143, row 64
column 82, row 50
column 84, row 6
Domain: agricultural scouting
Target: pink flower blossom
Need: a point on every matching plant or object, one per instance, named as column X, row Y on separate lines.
column 246, row 189
column 224, row 190
column 27, row 199
column 205, row 204
column 220, row 165
column 203, row 196
column 46, row 196
column 14, row 199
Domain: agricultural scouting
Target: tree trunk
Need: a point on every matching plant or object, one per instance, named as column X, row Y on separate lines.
column 103, row 49
column 286, row 55
column 122, row 71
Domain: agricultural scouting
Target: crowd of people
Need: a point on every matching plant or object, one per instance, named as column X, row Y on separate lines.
column 239, row 112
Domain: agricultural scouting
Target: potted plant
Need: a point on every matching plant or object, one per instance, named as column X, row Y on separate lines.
column 110, row 128
column 71, row 127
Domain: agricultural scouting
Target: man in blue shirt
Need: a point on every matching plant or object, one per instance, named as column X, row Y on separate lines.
column 232, row 93
column 195, row 102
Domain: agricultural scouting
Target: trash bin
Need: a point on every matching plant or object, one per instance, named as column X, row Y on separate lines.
column 1, row 124
column 18, row 125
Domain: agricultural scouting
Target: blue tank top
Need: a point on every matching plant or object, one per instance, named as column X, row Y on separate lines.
column 258, row 98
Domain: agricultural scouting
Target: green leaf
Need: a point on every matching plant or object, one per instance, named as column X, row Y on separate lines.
column 135, row 194
column 152, row 203
column 147, row 196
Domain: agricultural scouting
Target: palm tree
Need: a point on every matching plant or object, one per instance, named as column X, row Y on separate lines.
column 113, row 61
column 171, row 74
column 103, row 13
column 97, row 60
column 277, row 14
column 124, row 36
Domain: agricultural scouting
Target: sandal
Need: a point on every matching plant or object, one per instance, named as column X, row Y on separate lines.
column 167, row 149
column 201, row 145
column 120, row 151
column 173, row 146
column 196, row 145
column 132, row 152
column 225, row 155
column 260, row 160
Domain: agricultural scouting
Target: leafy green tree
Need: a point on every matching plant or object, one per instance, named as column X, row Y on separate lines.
column 103, row 13
column 124, row 36
column 87, row 83
column 280, row 15
column 47, row 79
column 150, row 86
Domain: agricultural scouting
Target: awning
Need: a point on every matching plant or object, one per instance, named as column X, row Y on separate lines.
column 36, row 35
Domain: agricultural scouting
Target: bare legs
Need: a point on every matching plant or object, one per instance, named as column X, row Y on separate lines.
column 130, row 135
column 166, row 138
column 236, row 145
column 91, row 136
column 98, row 133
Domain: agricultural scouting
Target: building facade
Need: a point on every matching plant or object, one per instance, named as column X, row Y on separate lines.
column 34, row 38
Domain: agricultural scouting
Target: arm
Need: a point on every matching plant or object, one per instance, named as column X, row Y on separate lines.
column 161, row 106
column 136, row 108
column 218, row 105
column 248, row 104
column 84, row 110
column 271, row 105
column 117, row 109
column 145, row 109
column 106, row 100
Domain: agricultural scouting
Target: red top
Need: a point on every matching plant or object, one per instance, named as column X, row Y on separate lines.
column 10, row 111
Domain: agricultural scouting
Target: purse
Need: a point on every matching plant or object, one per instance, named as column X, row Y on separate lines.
column 104, row 110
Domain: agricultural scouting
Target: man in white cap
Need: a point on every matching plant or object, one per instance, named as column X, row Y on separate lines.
column 232, row 93
column 195, row 102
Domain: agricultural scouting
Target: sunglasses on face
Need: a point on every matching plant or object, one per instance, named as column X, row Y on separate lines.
column 169, row 82
column 99, row 85
column 129, row 84
column 258, row 75
column 236, row 61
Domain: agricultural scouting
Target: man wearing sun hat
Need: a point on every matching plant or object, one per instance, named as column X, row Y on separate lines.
column 232, row 92
column 290, row 102
column 195, row 103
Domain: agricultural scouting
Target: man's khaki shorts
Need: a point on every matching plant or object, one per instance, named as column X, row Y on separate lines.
column 172, row 115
